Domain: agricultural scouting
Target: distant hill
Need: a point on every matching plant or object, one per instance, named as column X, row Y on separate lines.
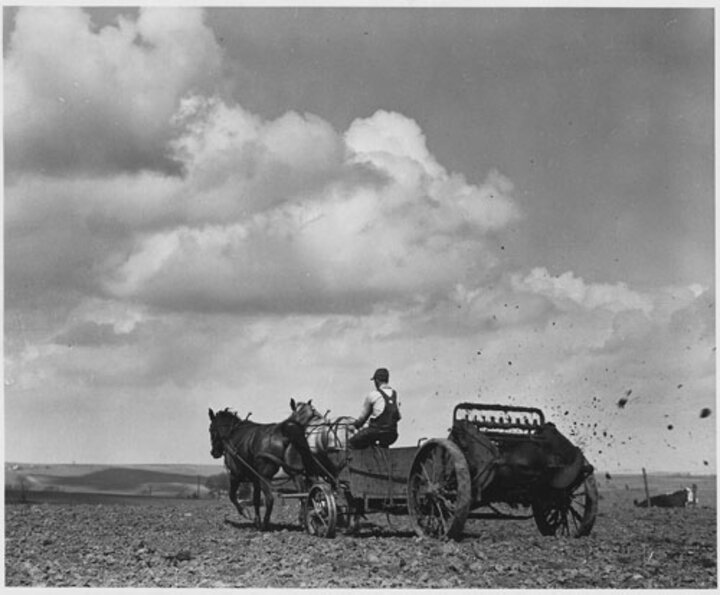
column 160, row 480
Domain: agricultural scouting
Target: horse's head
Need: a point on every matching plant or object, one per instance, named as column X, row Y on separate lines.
column 221, row 424
column 303, row 413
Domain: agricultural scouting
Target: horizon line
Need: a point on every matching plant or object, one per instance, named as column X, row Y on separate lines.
column 220, row 464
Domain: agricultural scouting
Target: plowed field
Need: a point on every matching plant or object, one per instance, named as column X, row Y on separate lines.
column 73, row 542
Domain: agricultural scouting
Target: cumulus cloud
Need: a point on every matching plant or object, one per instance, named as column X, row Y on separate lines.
column 159, row 236
column 81, row 100
column 63, row 234
column 236, row 164
column 142, row 184
column 289, row 215
column 569, row 289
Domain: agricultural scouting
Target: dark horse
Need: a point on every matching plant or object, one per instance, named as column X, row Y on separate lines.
column 256, row 452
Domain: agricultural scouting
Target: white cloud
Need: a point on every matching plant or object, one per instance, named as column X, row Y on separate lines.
column 396, row 145
column 236, row 164
column 79, row 100
column 282, row 216
column 389, row 140
column 285, row 243
column 62, row 234
column 568, row 289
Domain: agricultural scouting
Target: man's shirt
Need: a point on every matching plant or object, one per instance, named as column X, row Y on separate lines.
column 374, row 404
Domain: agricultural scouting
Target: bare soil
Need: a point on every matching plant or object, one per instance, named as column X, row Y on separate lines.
column 90, row 541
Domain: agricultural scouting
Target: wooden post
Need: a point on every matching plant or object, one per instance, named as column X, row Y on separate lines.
column 647, row 492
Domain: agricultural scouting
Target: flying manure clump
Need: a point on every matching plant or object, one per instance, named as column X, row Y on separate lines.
column 624, row 400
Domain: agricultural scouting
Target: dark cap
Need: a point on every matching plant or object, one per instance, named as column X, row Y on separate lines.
column 381, row 374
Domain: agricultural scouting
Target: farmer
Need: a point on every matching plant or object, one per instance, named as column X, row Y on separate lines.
column 381, row 409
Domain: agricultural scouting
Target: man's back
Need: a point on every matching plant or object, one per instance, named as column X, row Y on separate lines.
column 380, row 410
column 390, row 413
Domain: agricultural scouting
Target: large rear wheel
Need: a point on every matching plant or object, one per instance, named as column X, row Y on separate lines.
column 439, row 495
column 568, row 513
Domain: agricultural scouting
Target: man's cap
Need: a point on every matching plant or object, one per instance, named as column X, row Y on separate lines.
column 381, row 374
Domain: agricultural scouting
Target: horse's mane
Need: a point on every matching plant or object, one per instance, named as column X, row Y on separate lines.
column 237, row 420
column 227, row 412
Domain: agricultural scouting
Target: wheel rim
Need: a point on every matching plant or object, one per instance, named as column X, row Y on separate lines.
column 574, row 515
column 438, row 490
column 321, row 512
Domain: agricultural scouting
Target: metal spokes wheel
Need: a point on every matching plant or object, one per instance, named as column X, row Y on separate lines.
column 439, row 495
column 321, row 511
column 571, row 513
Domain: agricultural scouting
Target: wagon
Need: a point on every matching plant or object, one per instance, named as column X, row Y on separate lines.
column 498, row 462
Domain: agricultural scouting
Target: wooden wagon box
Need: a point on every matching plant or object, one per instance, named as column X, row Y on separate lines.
column 378, row 472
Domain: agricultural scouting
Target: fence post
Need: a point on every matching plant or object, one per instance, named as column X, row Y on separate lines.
column 647, row 491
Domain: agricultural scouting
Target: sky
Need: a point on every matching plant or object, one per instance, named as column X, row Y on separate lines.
column 233, row 207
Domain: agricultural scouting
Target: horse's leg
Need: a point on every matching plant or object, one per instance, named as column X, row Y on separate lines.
column 232, row 492
column 256, row 502
column 269, row 501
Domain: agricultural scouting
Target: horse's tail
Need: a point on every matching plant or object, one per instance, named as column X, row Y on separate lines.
column 296, row 434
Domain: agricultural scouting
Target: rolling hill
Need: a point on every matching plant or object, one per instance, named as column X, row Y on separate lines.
column 156, row 480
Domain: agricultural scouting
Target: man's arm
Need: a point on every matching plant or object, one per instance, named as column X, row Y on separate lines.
column 364, row 414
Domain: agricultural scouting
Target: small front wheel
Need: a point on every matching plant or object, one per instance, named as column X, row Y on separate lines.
column 439, row 491
column 320, row 511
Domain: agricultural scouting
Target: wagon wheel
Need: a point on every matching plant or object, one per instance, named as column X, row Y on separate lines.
column 572, row 513
column 320, row 511
column 439, row 492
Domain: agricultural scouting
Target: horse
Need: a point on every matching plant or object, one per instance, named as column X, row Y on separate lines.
column 328, row 440
column 255, row 452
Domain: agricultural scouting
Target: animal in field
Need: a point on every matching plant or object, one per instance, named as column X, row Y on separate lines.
column 255, row 452
column 678, row 499
column 328, row 439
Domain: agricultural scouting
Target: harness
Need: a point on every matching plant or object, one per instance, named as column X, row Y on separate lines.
column 323, row 431
column 227, row 445
column 391, row 414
